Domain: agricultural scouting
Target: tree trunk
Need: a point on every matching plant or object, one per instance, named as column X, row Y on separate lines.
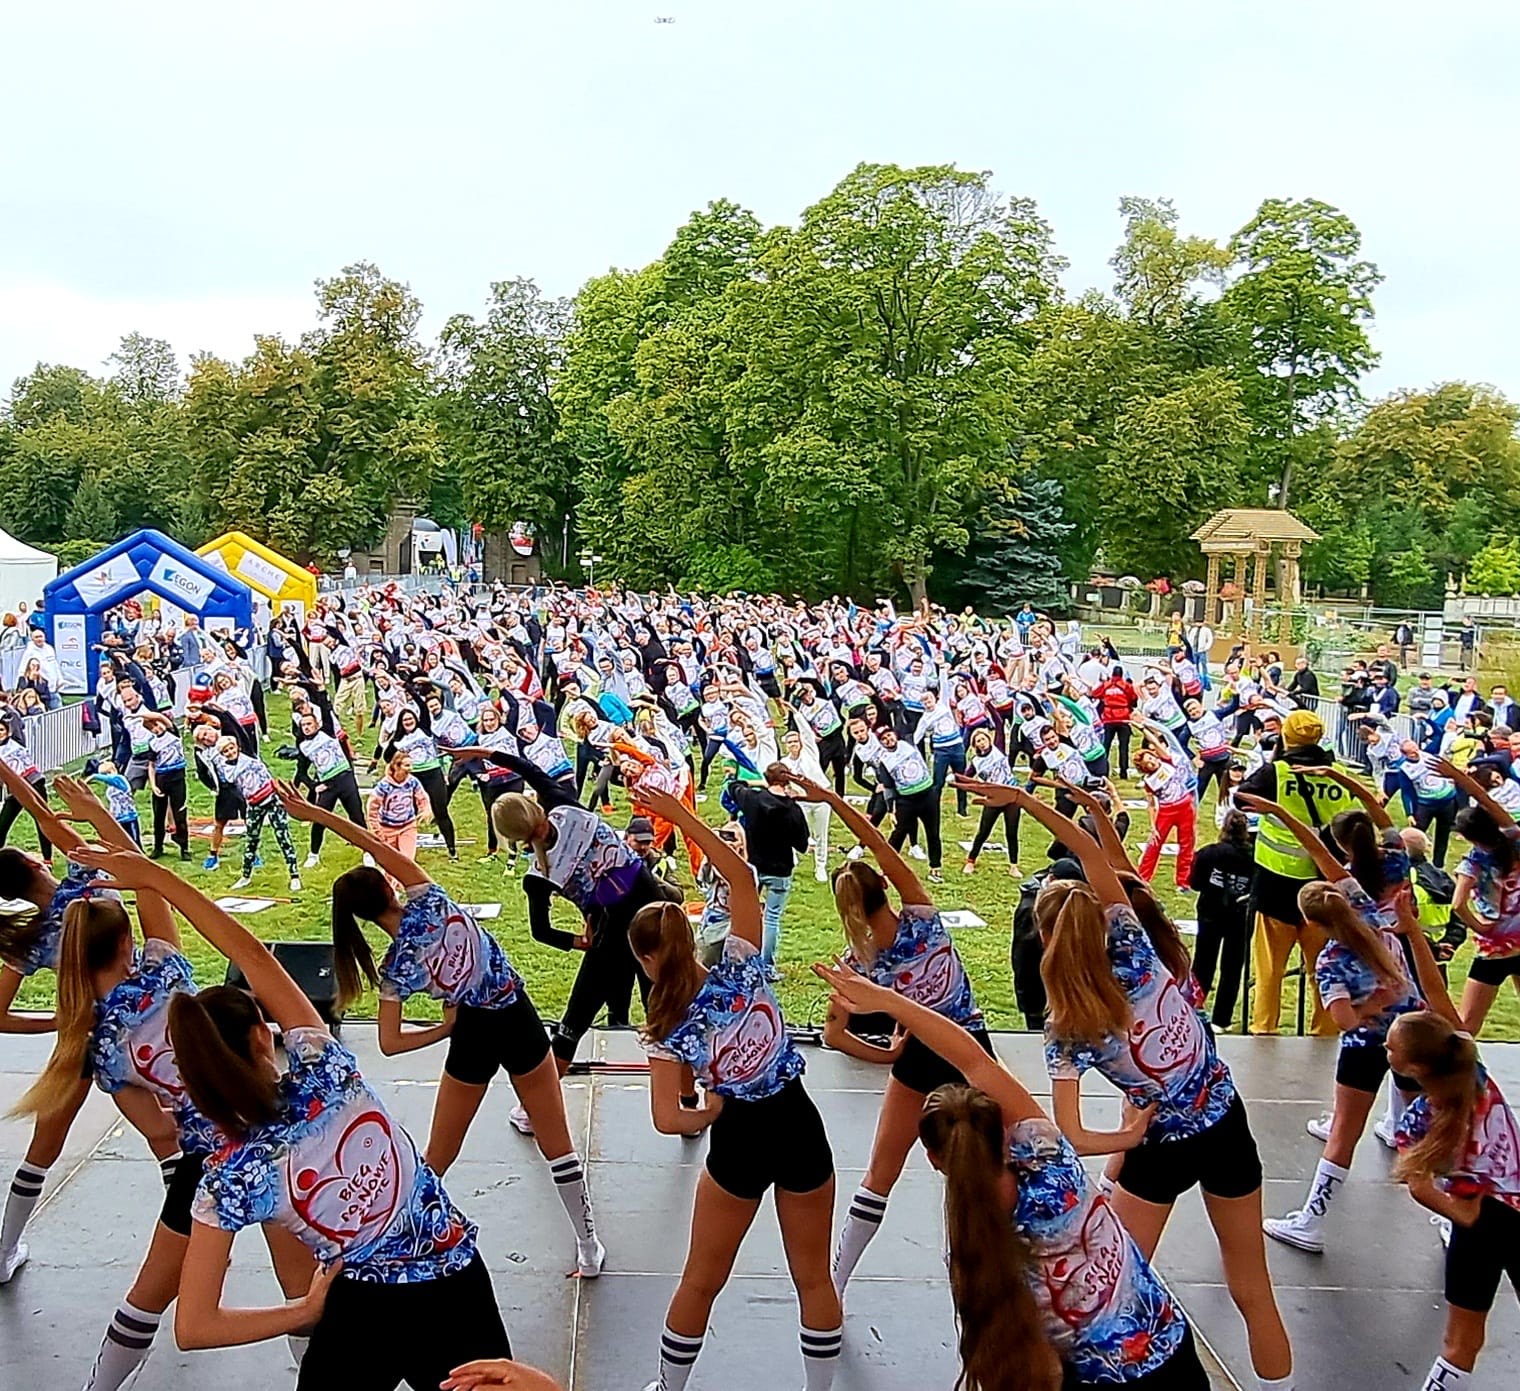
column 918, row 588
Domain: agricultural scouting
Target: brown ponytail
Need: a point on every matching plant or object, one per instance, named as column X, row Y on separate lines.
column 1354, row 832
column 663, row 931
column 93, row 933
column 359, row 893
column 1158, row 927
column 1086, row 1003
column 1447, row 1063
column 1003, row 1346
column 859, row 891
column 212, row 1034
column 1327, row 907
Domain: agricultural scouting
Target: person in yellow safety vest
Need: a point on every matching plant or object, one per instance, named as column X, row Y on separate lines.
column 1293, row 780
column 1433, row 892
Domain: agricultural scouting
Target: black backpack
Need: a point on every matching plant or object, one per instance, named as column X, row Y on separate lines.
column 1437, row 883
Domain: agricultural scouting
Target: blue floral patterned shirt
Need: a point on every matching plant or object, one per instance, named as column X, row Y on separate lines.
column 440, row 950
column 129, row 1046
column 1167, row 1056
column 340, row 1174
column 1107, row 1315
column 1341, row 974
column 733, row 1036
column 922, row 965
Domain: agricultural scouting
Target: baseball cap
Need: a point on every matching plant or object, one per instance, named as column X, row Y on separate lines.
column 641, row 828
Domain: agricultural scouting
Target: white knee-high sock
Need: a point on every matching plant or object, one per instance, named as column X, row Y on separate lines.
column 1275, row 1383
column 166, row 1167
column 860, row 1225
column 1328, row 1179
column 126, row 1346
column 297, row 1345
column 1444, row 1377
column 570, row 1184
column 678, row 1355
column 25, row 1194
column 1397, row 1105
column 820, row 1356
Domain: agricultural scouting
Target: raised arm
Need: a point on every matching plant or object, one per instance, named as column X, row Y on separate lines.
column 1365, row 795
column 550, row 793
column 1108, row 834
column 1324, row 861
column 1470, row 785
column 275, row 990
column 63, row 835
column 743, row 897
column 1100, row 874
column 403, row 870
column 1432, row 982
column 899, row 873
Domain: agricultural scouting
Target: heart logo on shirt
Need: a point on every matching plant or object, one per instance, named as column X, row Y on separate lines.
column 153, row 1057
column 742, row 1050
column 1084, row 1283
column 350, row 1193
column 452, row 966
column 930, row 979
column 1166, row 1039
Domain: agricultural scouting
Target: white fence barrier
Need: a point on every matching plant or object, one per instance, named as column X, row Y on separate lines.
column 59, row 738
column 1341, row 734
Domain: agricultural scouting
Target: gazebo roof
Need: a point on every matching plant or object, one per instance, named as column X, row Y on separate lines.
column 1242, row 528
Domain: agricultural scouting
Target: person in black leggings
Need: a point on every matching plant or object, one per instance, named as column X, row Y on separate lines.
column 414, row 738
column 582, row 859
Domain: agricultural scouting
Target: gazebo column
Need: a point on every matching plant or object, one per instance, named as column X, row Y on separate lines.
column 1259, row 591
column 1211, row 592
column 1289, row 594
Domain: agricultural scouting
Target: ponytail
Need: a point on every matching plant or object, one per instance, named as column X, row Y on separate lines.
column 663, row 931
column 212, row 1035
column 1157, row 925
column 1086, row 1003
column 93, row 933
column 1477, row 826
column 1357, row 836
column 1328, row 908
column 1003, row 1346
column 359, row 893
column 1447, row 1061
column 859, row 891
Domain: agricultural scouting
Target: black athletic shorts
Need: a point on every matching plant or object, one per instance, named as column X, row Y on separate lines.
column 922, row 1069
column 1494, row 970
column 1362, row 1067
column 1222, row 1160
column 229, row 804
column 1478, row 1255
column 512, row 1038
column 175, row 1213
column 780, row 1141
column 374, row 1337
column 1182, row 1371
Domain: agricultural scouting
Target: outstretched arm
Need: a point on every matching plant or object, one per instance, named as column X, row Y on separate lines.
column 899, row 873
column 403, row 870
column 275, row 990
column 1108, row 834
column 1100, row 874
column 1324, row 861
column 1470, row 785
column 743, row 897
column 1364, row 794
column 64, row 836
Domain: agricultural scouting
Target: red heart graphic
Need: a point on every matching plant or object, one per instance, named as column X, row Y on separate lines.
column 349, row 1190
column 742, row 1049
column 1168, row 1037
column 1089, row 1284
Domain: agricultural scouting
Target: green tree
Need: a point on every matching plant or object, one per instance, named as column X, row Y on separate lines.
column 1015, row 550
column 91, row 515
column 1300, row 301
column 1496, row 568
column 1159, row 273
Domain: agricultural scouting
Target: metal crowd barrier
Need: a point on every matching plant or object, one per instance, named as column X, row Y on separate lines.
column 58, row 737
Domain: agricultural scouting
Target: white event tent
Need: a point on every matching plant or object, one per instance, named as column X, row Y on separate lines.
column 24, row 573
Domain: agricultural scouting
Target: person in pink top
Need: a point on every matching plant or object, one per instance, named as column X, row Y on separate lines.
column 396, row 804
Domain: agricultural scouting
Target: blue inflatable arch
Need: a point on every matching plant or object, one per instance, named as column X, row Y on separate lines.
column 76, row 602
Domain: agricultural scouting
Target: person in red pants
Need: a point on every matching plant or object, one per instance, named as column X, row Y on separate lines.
column 1170, row 791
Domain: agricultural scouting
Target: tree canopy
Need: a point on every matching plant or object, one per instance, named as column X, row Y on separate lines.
column 894, row 394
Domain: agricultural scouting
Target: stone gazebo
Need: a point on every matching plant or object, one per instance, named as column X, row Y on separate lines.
column 1246, row 536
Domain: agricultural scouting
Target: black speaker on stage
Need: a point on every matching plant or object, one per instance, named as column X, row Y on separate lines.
column 310, row 965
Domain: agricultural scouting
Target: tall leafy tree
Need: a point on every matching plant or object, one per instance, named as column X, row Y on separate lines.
column 1014, row 554
column 1301, row 301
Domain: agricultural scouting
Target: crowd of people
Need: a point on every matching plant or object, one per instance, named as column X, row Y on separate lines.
column 546, row 702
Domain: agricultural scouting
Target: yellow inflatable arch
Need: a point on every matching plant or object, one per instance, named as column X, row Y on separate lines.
column 268, row 573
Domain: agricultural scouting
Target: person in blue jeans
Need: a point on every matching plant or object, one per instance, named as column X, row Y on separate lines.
column 940, row 726
column 775, row 836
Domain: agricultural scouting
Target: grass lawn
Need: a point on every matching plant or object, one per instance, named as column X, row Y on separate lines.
column 810, row 928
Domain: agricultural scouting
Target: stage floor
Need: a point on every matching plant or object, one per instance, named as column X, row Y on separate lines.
column 1365, row 1317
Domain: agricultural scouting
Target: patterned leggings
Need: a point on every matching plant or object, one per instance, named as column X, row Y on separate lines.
column 271, row 811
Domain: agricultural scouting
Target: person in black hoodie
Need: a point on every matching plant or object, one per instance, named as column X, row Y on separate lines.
column 1222, row 874
column 776, row 836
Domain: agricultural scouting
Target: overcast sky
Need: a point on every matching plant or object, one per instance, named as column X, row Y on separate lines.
column 187, row 169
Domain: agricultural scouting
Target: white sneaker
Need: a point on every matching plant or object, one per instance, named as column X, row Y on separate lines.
column 1384, row 1131
column 242, row 883
column 521, row 1121
column 311, row 861
column 917, row 853
column 1296, row 1229
column 13, row 1260
column 969, row 867
column 821, row 875
column 588, row 1259
column 1319, row 1127
column 1441, row 1224
column 856, row 853
column 295, row 883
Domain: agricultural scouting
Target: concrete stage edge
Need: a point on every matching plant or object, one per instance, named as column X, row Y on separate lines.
column 1364, row 1317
